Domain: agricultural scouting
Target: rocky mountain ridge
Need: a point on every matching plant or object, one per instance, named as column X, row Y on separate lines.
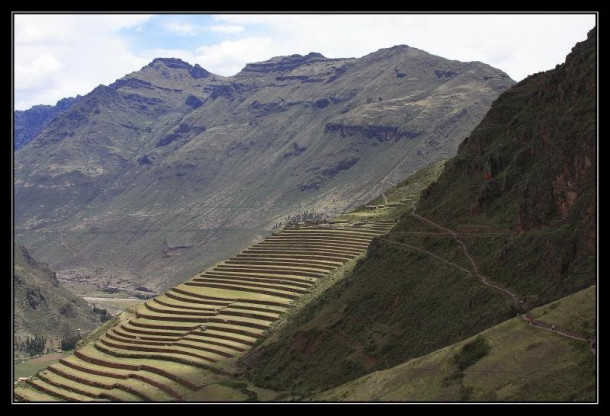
column 175, row 156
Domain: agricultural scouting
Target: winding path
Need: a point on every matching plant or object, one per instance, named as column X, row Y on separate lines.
column 475, row 270
column 517, row 300
column 549, row 327
column 429, row 253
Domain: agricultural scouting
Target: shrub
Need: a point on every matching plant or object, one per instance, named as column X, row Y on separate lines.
column 69, row 343
column 471, row 353
column 103, row 313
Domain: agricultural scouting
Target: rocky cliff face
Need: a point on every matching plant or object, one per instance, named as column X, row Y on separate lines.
column 28, row 124
column 173, row 155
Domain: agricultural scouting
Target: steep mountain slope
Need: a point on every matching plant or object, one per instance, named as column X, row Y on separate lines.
column 531, row 167
column 516, row 210
column 172, row 168
column 29, row 123
column 42, row 306
column 522, row 364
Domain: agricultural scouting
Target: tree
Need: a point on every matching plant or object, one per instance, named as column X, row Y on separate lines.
column 33, row 346
column 69, row 343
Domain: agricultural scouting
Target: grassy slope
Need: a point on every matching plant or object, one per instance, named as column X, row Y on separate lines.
column 401, row 303
column 524, row 364
column 530, row 167
column 405, row 193
column 351, row 329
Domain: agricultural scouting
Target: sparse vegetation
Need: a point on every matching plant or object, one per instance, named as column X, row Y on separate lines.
column 103, row 313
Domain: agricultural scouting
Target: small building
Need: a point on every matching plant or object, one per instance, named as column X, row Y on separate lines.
column 23, row 379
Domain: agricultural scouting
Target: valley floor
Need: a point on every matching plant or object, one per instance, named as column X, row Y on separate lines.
column 29, row 367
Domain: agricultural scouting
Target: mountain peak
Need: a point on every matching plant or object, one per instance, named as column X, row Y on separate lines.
column 176, row 63
column 314, row 55
column 282, row 63
column 216, row 132
column 171, row 63
column 397, row 48
column 392, row 51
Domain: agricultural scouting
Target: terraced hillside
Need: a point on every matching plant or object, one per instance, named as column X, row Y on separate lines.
column 173, row 344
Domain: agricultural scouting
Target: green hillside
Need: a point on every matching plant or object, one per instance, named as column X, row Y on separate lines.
column 522, row 364
column 519, row 195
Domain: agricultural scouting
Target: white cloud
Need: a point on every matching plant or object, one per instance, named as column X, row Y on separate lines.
column 518, row 44
column 229, row 57
column 182, row 29
column 228, row 29
column 39, row 69
column 58, row 56
column 62, row 55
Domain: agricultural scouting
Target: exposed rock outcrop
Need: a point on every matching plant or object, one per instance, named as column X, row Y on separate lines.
column 381, row 133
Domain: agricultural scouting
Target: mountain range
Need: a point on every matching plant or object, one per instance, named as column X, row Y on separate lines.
column 146, row 181
column 471, row 279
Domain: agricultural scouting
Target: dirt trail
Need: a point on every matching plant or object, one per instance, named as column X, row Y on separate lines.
column 429, row 253
column 549, row 327
column 101, row 299
column 517, row 300
column 486, row 281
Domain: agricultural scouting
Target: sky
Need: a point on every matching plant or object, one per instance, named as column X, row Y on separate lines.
column 58, row 56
